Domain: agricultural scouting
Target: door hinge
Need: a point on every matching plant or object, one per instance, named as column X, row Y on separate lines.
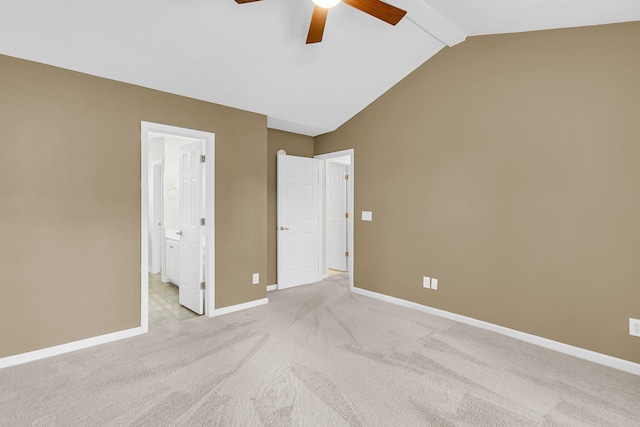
column 201, row 221
column 346, row 254
column 346, row 215
column 202, row 285
column 202, row 158
column 346, row 177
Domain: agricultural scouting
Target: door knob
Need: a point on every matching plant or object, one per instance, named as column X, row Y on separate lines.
column 179, row 233
column 283, row 228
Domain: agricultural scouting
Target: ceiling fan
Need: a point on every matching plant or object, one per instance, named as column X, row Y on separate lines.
column 377, row 8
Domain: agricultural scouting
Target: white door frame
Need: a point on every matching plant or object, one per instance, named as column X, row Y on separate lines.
column 209, row 143
column 350, row 186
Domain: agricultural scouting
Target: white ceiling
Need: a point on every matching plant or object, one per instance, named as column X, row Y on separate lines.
column 253, row 56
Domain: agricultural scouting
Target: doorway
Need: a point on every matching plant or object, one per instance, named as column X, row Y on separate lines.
column 302, row 226
column 177, row 247
column 338, row 213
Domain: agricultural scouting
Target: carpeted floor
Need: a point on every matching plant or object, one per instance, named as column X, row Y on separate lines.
column 318, row 355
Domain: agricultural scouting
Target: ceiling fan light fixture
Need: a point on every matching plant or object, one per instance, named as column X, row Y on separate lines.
column 327, row 4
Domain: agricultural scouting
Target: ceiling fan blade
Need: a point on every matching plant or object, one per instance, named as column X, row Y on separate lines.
column 245, row 1
column 381, row 10
column 316, row 28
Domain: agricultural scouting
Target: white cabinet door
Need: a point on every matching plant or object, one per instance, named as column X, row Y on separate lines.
column 172, row 252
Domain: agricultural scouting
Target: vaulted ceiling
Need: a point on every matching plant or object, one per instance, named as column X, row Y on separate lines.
column 253, row 56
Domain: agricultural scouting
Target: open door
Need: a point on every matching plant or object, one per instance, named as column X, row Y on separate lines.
column 191, row 229
column 298, row 196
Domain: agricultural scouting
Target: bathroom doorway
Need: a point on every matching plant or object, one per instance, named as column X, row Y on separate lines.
column 166, row 240
column 178, row 192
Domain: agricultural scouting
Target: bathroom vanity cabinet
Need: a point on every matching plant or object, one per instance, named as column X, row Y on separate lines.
column 172, row 260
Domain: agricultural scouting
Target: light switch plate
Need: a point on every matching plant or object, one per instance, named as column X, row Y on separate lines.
column 256, row 278
column 434, row 283
column 367, row 216
column 634, row 327
column 426, row 282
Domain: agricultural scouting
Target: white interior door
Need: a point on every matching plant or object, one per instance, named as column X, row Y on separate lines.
column 298, row 189
column 336, row 216
column 191, row 238
column 156, row 219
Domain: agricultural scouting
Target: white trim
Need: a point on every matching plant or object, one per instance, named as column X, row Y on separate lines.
column 350, row 205
column 272, row 288
column 144, row 228
column 210, row 211
column 239, row 307
column 592, row 356
column 209, row 139
column 19, row 359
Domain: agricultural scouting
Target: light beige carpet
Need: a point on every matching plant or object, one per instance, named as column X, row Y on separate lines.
column 318, row 355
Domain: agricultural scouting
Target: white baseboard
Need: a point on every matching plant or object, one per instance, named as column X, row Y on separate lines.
column 592, row 356
column 272, row 288
column 103, row 339
column 239, row 307
column 19, row 359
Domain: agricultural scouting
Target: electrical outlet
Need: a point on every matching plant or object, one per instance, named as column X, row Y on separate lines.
column 256, row 278
column 434, row 283
column 634, row 327
column 426, row 282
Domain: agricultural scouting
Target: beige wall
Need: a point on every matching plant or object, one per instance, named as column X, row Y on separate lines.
column 295, row 145
column 507, row 167
column 70, row 208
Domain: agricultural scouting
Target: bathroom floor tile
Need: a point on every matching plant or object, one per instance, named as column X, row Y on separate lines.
column 164, row 306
